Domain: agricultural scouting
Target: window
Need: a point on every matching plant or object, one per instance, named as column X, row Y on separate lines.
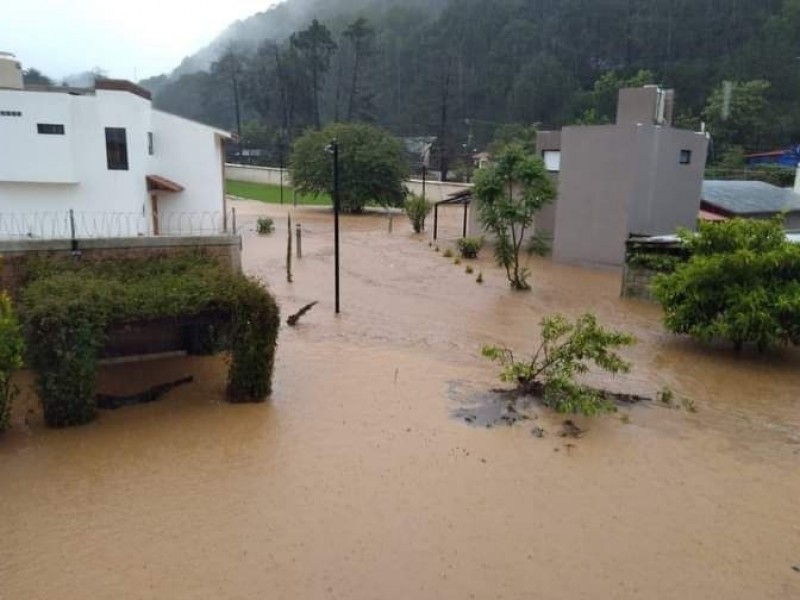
column 150, row 143
column 50, row 129
column 10, row 113
column 116, row 149
column 552, row 160
column 686, row 157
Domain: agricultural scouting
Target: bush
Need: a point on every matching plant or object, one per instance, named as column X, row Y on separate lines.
column 417, row 209
column 68, row 310
column 741, row 284
column 566, row 351
column 12, row 347
column 469, row 246
column 265, row 225
column 448, row 253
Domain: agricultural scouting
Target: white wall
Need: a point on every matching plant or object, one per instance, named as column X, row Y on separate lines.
column 51, row 174
column 191, row 155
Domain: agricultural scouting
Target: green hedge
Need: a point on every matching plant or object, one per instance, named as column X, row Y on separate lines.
column 12, row 347
column 68, row 310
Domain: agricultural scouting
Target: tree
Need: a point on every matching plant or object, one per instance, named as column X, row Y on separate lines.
column 737, row 114
column 35, row 77
column 602, row 99
column 741, row 284
column 510, row 193
column 566, row 351
column 362, row 38
column 314, row 46
column 372, row 165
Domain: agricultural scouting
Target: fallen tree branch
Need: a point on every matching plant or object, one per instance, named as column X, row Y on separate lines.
column 293, row 319
column 110, row 402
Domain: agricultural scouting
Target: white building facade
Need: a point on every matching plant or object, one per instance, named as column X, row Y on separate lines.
column 104, row 162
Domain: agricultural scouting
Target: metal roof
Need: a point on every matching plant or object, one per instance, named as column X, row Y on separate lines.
column 749, row 197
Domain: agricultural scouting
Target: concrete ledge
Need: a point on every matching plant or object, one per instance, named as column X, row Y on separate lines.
column 35, row 245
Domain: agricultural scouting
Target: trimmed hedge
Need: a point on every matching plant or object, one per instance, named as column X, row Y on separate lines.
column 68, row 310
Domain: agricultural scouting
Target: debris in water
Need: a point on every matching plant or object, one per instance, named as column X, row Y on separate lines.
column 293, row 319
column 571, row 430
column 796, row 568
column 109, row 402
column 538, row 432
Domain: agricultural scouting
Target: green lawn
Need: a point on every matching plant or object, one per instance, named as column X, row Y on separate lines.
column 264, row 192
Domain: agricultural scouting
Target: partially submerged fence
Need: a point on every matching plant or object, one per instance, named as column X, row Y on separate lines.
column 72, row 224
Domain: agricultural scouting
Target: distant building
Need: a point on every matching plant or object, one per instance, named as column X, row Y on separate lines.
column 106, row 151
column 639, row 176
column 788, row 158
column 751, row 200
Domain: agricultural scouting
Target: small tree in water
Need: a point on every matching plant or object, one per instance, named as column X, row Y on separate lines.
column 565, row 352
column 509, row 194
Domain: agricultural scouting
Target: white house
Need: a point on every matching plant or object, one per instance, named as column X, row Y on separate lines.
column 105, row 160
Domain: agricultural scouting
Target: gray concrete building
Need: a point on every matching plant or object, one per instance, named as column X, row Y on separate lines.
column 638, row 176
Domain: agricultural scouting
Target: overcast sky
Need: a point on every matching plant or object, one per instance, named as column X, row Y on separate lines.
column 131, row 39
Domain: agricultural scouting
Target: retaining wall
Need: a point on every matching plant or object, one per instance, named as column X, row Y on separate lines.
column 636, row 283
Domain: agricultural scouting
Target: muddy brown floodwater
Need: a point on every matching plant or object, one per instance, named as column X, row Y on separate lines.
column 356, row 481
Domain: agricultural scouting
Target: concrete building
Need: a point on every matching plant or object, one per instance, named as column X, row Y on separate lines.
column 638, row 176
column 120, row 166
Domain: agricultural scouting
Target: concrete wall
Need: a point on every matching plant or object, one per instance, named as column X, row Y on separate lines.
column 636, row 283
column 434, row 190
column 42, row 173
column 15, row 254
column 596, row 183
column 666, row 193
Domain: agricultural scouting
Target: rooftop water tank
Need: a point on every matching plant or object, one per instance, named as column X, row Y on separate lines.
column 10, row 72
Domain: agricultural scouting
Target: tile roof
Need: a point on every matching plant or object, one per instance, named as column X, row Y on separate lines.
column 749, row 197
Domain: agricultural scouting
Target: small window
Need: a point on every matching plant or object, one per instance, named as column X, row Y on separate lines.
column 150, row 143
column 552, row 160
column 10, row 113
column 116, row 149
column 686, row 157
column 50, row 129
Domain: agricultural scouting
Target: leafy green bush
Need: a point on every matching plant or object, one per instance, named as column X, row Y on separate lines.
column 469, row 246
column 417, row 209
column 741, row 284
column 68, row 310
column 565, row 352
column 265, row 225
column 12, row 347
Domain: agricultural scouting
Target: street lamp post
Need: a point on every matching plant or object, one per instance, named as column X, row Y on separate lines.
column 333, row 148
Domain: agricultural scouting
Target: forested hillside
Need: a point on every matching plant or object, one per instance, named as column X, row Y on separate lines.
column 457, row 69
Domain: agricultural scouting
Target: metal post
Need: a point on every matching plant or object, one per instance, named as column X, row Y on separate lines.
column 336, row 219
column 280, row 162
column 299, row 241
column 74, row 242
column 435, row 220
column 464, row 231
column 424, row 172
column 233, row 220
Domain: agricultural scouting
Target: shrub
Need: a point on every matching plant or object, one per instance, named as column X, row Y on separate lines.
column 417, row 209
column 68, row 310
column 741, row 284
column 469, row 270
column 12, row 347
column 265, row 225
column 565, row 352
column 448, row 253
column 469, row 246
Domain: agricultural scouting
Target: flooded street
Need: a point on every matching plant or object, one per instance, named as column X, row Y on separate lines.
column 355, row 481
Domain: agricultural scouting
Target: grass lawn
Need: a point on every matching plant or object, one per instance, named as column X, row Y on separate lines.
column 264, row 192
